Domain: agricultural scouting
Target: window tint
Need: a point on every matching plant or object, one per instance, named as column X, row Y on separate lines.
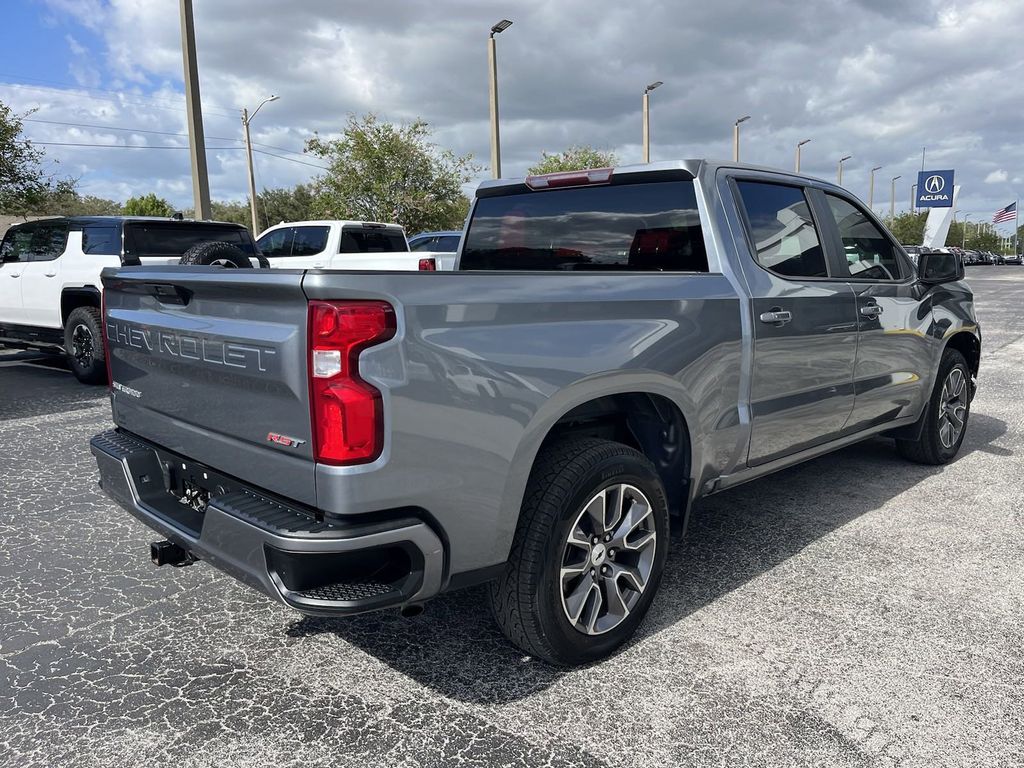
column 447, row 243
column 276, row 243
column 48, row 241
column 174, row 238
column 869, row 253
column 782, row 230
column 16, row 245
column 647, row 227
column 356, row 240
column 102, row 239
column 309, row 241
column 422, row 244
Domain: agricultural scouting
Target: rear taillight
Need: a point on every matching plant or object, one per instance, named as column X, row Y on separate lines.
column 103, row 333
column 347, row 413
column 428, row 265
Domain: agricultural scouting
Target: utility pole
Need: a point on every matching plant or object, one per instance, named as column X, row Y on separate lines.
column 647, row 119
column 492, row 63
column 246, row 119
column 736, row 138
column 193, row 104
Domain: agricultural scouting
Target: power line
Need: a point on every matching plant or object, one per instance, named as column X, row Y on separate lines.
column 150, row 146
column 153, row 104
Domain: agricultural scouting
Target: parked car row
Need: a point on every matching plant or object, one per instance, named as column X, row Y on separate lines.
column 54, row 303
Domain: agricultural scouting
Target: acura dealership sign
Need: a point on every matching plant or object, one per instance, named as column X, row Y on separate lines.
column 935, row 189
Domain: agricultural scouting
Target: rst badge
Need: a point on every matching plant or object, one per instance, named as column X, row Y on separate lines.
column 287, row 442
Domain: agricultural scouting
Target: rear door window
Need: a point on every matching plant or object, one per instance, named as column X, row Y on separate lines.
column 653, row 226
column 447, row 243
column 309, row 241
column 102, row 239
column 370, row 240
column 870, row 255
column 782, row 231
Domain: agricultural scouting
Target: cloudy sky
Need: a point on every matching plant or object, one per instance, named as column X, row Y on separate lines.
column 875, row 79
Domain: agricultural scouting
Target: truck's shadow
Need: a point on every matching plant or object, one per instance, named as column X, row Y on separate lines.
column 37, row 384
column 455, row 648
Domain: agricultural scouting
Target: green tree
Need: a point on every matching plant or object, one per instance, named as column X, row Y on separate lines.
column 65, row 201
column 575, row 158
column 908, row 227
column 283, row 204
column 147, row 205
column 380, row 171
column 24, row 185
column 235, row 211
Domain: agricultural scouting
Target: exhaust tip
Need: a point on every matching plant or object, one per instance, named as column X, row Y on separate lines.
column 409, row 611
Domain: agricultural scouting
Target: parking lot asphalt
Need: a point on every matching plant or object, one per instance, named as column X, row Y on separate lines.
column 858, row 610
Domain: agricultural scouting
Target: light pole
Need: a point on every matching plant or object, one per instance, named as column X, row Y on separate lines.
column 871, row 188
column 492, row 63
column 736, row 138
column 892, row 198
column 963, row 227
column 913, row 198
column 194, row 109
column 800, row 144
column 839, row 170
column 647, row 119
column 246, row 119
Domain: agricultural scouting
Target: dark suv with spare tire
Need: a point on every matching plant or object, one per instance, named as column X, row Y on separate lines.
column 54, row 304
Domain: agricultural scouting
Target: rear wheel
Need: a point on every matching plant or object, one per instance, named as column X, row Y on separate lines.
column 945, row 420
column 588, row 553
column 83, row 344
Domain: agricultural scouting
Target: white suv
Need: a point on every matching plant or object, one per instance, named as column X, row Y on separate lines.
column 50, row 276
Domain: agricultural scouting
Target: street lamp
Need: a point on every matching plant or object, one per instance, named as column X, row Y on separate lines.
column 492, row 63
column 871, row 188
column 800, row 144
column 246, row 119
column 963, row 227
column 839, row 170
column 647, row 119
column 913, row 198
column 892, row 198
column 736, row 137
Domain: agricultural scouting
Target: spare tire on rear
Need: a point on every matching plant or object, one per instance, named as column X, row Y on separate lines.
column 215, row 253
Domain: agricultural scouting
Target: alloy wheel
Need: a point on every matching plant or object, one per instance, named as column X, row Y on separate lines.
column 82, row 345
column 953, row 407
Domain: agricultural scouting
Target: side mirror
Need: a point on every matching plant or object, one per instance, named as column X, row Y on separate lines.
column 936, row 267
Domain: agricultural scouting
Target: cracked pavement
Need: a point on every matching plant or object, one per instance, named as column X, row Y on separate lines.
column 857, row 610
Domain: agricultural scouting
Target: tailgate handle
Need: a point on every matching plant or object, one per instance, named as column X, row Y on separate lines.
column 166, row 293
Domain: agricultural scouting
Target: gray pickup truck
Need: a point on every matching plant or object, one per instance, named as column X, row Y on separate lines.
column 614, row 345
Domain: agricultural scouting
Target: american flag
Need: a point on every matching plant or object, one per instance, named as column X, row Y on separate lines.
column 1009, row 213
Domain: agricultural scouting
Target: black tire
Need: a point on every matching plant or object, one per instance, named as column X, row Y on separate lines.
column 527, row 600
column 930, row 447
column 215, row 252
column 83, row 345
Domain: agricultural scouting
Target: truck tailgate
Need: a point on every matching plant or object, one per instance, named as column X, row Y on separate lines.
column 211, row 363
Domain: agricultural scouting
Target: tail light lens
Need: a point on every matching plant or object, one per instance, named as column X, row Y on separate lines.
column 347, row 412
column 106, row 344
column 428, row 265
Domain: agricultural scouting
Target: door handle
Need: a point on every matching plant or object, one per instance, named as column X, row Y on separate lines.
column 50, row 274
column 777, row 316
column 15, row 274
column 871, row 310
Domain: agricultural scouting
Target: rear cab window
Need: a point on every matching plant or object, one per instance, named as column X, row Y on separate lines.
column 172, row 238
column 650, row 226
column 366, row 239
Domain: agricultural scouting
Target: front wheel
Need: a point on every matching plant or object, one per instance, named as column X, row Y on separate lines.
column 945, row 420
column 83, row 343
column 587, row 555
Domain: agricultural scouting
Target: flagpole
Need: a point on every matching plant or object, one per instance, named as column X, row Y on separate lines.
column 1016, row 213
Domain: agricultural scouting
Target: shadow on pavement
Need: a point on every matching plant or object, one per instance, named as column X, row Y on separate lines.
column 37, row 384
column 735, row 536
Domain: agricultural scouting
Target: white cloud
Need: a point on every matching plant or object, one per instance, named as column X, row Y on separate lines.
column 997, row 177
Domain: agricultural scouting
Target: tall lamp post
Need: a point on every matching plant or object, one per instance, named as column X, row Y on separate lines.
column 800, row 144
column 839, row 169
column 963, row 227
column 736, row 137
column 892, row 198
column 492, row 63
column 246, row 119
column 871, row 188
column 913, row 198
column 194, row 108
column 647, row 119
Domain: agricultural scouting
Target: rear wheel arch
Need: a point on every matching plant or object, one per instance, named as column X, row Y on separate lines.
column 73, row 298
